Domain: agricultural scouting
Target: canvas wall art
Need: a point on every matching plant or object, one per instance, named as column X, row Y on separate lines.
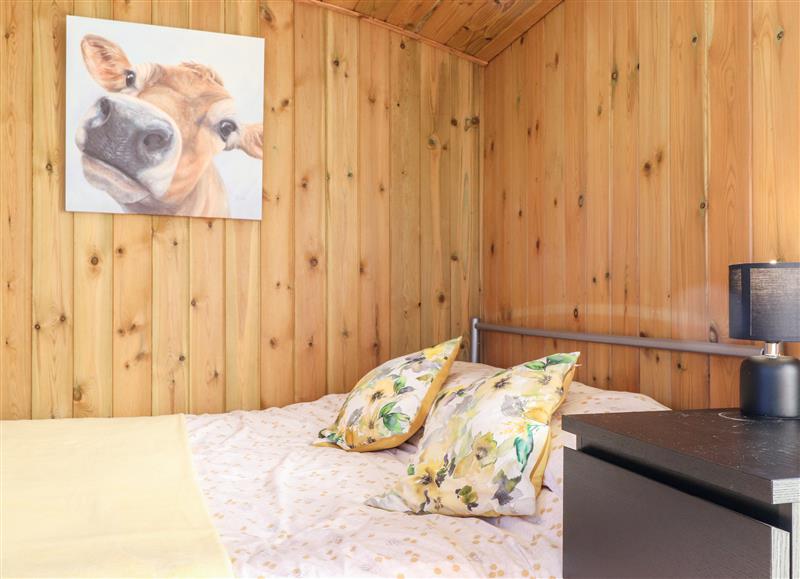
column 163, row 121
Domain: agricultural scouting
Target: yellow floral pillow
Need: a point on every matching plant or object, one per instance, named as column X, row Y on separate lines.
column 486, row 444
column 391, row 402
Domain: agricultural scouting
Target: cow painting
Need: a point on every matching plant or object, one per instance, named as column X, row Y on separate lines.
column 149, row 142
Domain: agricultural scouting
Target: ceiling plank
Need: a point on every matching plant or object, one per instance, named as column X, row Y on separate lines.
column 378, row 9
column 412, row 14
column 482, row 28
column 349, row 4
column 392, row 27
column 448, row 18
column 516, row 29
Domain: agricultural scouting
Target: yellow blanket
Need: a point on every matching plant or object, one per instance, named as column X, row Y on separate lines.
column 103, row 498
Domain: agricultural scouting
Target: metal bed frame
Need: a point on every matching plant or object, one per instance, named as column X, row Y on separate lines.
column 696, row 347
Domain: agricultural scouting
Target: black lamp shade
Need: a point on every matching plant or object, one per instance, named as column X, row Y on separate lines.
column 765, row 301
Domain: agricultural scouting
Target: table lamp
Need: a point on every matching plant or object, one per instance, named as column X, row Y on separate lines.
column 765, row 306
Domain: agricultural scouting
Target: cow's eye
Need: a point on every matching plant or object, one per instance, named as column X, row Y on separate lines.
column 130, row 78
column 226, row 128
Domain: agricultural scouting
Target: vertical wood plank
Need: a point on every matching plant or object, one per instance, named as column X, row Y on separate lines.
column 776, row 133
column 310, row 187
column 405, row 195
column 242, row 271
column 52, row 373
column 207, row 376
column 654, row 223
column 342, row 199
column 374, row 111
column 505, row 342
column 598, row 198
column 435, row 115
column 464, row 183
column 554, row 226
column 515, row 152
column 132, row 342
column 624, row 205
column 16, row 112
column 489, row 214
column 277, row 225
column 688, row 201
column 575, row 171
column 170, row 371
column 94, row 291
column 730, row 161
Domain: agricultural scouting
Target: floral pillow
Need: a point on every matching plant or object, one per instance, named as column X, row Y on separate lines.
column 391, row 402
column 486, row 444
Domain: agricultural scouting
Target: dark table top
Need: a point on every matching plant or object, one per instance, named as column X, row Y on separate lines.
column 760, row 458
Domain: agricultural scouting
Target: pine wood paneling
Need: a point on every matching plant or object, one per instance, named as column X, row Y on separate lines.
column 404, row 170
column 341, row 64
column 132, row 315
column 132, row 341
column 374, row 218
column 776, row 133
column 93, row 286
column 16, row 111
column 516, row 207
column 465, row 150
column 690, row 387
column 435, row 178
column 207, row 375
column 242, row 272
column 624, row 204
column 310, row 226
column 654, row 196
column 52, row 377
column 170, row 371
column 276, row 20
column 597, row 199
column 730, row 169
column 684, row 117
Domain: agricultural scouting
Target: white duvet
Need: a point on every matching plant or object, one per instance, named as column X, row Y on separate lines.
column 285, row 508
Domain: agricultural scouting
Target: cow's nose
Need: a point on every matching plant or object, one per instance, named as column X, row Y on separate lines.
column 156, row 140
column 103, row 110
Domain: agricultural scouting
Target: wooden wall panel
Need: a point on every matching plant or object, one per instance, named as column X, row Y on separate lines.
column 207, row 375
column 133, row 263
column 16, row 111
column 688, row 54
column 170, row 370
column 242, row 272
column 574, row 56
column 404, row 177
column 276, row 19
column 435, row 116
column 682, row 118
column 93, row 285
column 374, row 218
column 597, row 199
column 341, row 64
column 624, row 202
column 134, row 315
column 776, row 133
column 729, row 180
column 310, row 188
column 52, row 228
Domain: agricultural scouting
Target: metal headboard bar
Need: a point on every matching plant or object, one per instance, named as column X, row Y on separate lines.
column 716, row 349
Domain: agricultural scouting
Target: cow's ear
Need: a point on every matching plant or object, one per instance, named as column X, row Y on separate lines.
column 252, row 140
column 106, row 62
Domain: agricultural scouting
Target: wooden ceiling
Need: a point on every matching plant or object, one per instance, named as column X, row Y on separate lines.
column 479, row 28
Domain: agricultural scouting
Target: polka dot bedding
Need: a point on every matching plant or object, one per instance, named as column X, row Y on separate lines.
column 285, row 508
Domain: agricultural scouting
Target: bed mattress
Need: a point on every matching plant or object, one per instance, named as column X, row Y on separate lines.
column 285, row 508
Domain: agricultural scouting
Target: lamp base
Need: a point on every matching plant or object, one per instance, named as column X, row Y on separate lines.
column 769, row 387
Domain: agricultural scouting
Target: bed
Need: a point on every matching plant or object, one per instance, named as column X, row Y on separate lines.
column 285, row 508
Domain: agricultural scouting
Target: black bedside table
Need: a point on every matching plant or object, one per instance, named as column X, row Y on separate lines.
column 699, row 493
